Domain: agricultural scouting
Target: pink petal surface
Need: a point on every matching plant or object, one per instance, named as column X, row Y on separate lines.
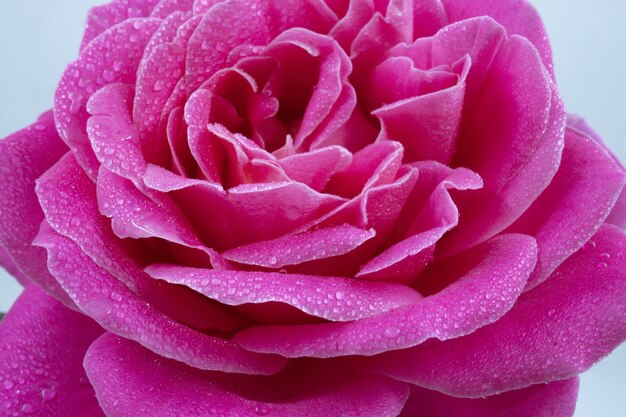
column 556, row 399
column 131, row 381
column 575, row 204
column 111, row 133
column 24, row 156
column 7, row 263
column 556, row 331
column 118, row 310
column 164, row 8
column 519, row 17
column 110, row 58
column 331, row 298
column 101, row 18
column 484, row 290
column 315, row 168
column 43, row 344
column 618, row 214
column 301, row 247
column 69, row 201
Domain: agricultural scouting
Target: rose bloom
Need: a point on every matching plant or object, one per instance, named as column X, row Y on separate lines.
column 309, row 208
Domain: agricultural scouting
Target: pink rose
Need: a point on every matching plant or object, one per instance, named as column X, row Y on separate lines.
column 309, row 208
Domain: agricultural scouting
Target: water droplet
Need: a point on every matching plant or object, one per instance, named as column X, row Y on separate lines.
column 40, row 127
column 159, row 85
column 27, row 408
column 293, row 212
column 551, row 312
column 589, row 245
column 48, row 393
column 261, row 409
column 273, row 260
column 116, row 402
column 605, row 256
column 76, row 100
column 116, row 296
column 108, row 75
column 601, row 265
column 117, row 65
column 7, row 384
column 340, row 295
column 205, row 45
column 392, row 332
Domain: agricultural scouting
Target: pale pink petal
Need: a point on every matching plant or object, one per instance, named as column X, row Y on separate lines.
column 112, row 57
column 69, row 201
column 519, row 17
column 556, row 331
column 101, row 18
column 118, row 310
column 331, row 298
column 203, row 6
column 24, row 156
column 575, row 204
column 41, row 360
column 144, row 381
column 301, row 247
column 556, row 399
column 488, row 279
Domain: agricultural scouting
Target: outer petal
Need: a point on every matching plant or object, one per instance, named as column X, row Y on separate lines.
column 556, row 331
column 7, row 263
column 42, row 348
column 331, row 298
column 519, row 17
column 557, row 399
column 575, row 204
column 118, row 310
column 24, row 156
column 142, row 383
column 486, row 290
column 110, row 58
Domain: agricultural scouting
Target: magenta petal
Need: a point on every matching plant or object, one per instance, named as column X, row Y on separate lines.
column 7, row 263
column 101, row 18
column 41, row 360
column 119, row 311
column 482, row 295
column 301, row 247
column 315, row 168
column 24, row 156
column 575, row 204
column 112, row 57
column 166, row 7
column 111, row 132
column 556, row 331
column 145, row 383
column 69, row 201
column 519, row 17
column 331, row 298
column 556, row 399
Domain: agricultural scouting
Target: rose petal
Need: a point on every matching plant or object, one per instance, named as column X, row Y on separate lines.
column 331, row 298
column 556, row 399
column 112, row 57
column 165, row 8
column 24, row 156
column 575, row 204
column 7, row 263
column 101, row 18
column 302, row 247
column 41, row 361
column 68, row 199
column 111, row 133
column 493, row 276
column 556, row 331
column 144, row 381
column 519, row 17
column 118, row 310
column 315, row 168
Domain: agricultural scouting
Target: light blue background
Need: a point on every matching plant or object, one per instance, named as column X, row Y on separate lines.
column 39, row 37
